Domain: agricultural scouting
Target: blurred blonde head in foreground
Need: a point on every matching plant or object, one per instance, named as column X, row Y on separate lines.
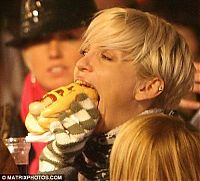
column 156, row 147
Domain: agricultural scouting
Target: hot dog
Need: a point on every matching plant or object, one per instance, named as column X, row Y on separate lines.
column 43, row 112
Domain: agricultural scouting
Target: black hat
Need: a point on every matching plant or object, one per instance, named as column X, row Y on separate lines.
column 41, row 17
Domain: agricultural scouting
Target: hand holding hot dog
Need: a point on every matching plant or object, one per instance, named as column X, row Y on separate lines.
column 52, row 106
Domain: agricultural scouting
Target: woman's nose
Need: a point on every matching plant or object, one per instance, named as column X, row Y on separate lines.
column 84, row 65
column 54, row 49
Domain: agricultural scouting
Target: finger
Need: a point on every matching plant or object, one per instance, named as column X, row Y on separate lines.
column 36, row 107
column 189, row 104
column 32, row 125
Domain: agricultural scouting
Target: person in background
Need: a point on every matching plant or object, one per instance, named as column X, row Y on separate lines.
column 11, row 77
column 158, row 147
column 49, row 38
column 136, row 69
column 184, row 15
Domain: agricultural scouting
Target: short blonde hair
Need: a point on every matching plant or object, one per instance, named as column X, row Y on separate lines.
column 156, row 147
column 151, row 43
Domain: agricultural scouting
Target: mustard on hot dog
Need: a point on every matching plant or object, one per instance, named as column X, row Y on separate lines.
column 45, row 111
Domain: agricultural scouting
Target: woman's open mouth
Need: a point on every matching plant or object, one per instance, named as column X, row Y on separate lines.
column 86, row 84
column 82, row 82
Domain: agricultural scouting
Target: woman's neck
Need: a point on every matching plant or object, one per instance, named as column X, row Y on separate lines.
column 117, row 115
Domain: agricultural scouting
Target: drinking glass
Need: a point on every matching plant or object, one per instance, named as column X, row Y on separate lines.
column 19, row 150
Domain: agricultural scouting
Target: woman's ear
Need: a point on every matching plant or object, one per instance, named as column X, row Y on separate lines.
column 149, row 89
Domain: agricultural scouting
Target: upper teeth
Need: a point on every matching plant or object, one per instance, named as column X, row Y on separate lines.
column 56, row 69
column 81, row 82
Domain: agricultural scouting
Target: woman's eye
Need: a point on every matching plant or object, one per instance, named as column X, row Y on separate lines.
column 105, row 57
column 83, row 52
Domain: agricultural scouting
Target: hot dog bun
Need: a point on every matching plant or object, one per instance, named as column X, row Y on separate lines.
column 67, row 97
column 32, row 125
column 42, row 113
